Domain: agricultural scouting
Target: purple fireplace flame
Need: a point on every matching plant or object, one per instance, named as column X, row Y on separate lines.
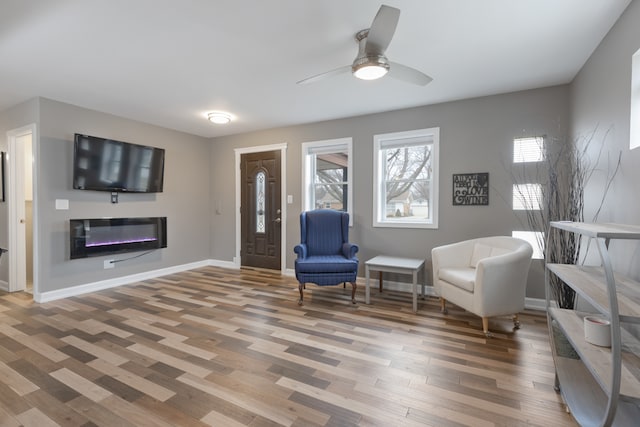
column 107, row 236
column 121, row 242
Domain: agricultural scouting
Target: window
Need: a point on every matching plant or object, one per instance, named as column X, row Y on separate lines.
column 327, row 175
column 535, row 239
column 527, row 197
column 528, row 149
column 405, row 167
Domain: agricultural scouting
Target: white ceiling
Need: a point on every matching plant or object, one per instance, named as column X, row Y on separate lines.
column 169, row 62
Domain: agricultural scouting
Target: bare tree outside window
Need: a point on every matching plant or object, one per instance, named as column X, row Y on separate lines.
column 408, row 175
column 327, row 175
column 331, row 180
column 405, row 186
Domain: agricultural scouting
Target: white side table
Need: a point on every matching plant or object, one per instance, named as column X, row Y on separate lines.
column 390, row 264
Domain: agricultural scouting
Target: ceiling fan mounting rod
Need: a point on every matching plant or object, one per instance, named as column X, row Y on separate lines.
column 362, row 34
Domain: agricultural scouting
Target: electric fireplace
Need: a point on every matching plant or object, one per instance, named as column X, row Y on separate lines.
column 108, row 236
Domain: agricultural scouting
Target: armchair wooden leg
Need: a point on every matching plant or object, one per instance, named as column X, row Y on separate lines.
column 300, row 288
column 443, row 305
column 485, row 327
column 353, row 292
column 516, row 322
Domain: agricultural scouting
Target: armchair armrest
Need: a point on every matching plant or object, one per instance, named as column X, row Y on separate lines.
column 301, row 250
column 349, row 250
column 501, row 283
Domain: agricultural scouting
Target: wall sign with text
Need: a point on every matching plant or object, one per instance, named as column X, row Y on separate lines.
column 471, row 189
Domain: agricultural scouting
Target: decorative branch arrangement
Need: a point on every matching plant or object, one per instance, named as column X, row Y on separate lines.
column 564, row 173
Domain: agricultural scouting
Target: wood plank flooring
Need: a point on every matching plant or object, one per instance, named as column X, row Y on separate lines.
column 232, row 348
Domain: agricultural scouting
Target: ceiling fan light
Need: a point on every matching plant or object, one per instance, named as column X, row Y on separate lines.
column 219, row 118
column 370, row 72
column 370, row 68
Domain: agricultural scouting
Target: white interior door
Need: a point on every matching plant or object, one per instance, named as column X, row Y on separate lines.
column 20, row 191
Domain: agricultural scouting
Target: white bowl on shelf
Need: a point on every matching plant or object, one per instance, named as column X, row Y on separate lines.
column 597, row 331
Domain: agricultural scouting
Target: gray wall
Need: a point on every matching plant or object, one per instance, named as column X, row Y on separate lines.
column 476, row 135
column 600, row 98
column 185, row 200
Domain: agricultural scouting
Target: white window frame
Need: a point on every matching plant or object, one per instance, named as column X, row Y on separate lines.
column 309, row 149
column 413, row 137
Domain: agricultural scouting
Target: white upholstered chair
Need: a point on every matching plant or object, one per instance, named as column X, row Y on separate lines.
column 485, row 276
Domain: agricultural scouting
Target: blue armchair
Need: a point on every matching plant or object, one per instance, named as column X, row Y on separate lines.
column 325, row 256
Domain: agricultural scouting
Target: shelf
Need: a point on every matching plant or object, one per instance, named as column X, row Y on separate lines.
column 585, row 397
column 605, row 231
column 591, row 284
column 587, row 382
column 599, row 359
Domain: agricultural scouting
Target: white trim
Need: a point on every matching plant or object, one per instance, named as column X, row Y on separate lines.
column 539, row 304
column 283, row 196
column 42, row 297
column 427, row 136
column 223, row 264
column 4, row 286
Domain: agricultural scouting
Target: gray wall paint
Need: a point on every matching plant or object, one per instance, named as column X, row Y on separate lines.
column 16, row 117
column 600, row 98
column 185, row 200
column 475, row 136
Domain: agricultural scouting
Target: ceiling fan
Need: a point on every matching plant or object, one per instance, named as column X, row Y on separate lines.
column 371, row 63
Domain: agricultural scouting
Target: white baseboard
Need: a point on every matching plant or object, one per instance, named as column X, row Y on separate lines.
column 42, row 297
column 224, row 264
column 539, row 304
column 4, row 286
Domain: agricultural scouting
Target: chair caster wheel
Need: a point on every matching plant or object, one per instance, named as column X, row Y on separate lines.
column 353, row 301
column 488, row 334
column 300, row 302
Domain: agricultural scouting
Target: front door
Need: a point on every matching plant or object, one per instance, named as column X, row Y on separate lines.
column 260, row 209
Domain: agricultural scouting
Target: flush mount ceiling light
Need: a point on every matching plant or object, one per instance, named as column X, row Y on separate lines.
column 219, row 118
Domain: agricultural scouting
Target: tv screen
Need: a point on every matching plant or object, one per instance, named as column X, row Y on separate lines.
column 108, row 165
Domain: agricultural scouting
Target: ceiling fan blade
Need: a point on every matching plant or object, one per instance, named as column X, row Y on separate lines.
column 327, row 74
column 408, row 74
column 382, row 29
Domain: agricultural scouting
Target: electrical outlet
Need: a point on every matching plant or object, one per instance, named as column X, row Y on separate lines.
column 109, row 264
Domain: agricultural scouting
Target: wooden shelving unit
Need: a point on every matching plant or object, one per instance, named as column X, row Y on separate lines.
column 602, row 386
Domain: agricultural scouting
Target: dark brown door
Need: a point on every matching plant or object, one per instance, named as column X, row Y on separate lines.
column 260, row 210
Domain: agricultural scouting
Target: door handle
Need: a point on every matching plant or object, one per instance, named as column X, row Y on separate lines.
column 277, row 220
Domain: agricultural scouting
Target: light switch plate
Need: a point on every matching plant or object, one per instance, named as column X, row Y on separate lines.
column 62, row 204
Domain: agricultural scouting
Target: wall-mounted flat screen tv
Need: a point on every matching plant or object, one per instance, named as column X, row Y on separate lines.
column 107, row 165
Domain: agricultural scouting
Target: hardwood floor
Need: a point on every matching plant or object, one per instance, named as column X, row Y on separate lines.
column 232, row 348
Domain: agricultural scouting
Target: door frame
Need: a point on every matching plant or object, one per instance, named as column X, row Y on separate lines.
column 14, row 194
column 283, row 188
